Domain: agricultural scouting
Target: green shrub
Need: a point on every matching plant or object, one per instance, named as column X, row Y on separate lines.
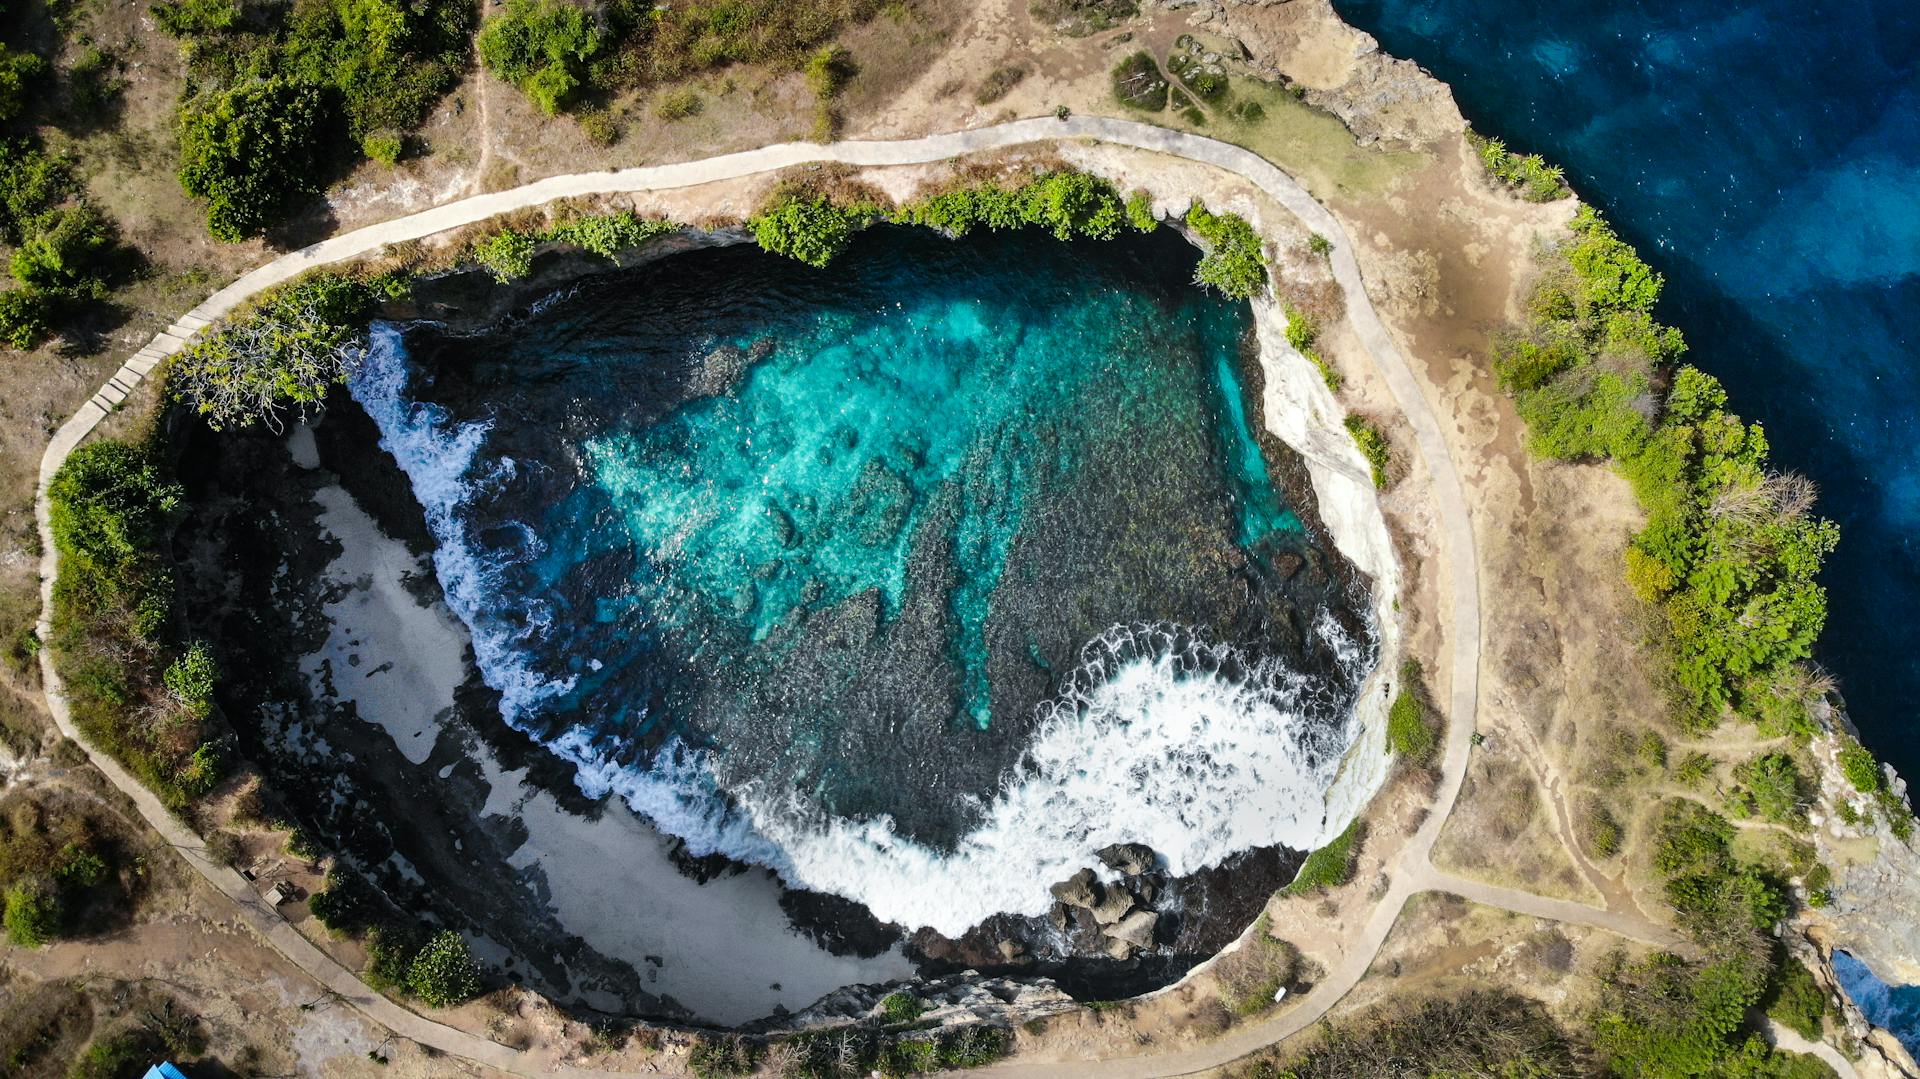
column 1373, row 446
column 1140, row 212
column 1138, row 84
column 1777, row 787
column 717, row 1056
column 677, row 104
column 1067, row 204
column 1235, row 262
column 33, row 912
column 1474, row 1033
column 443, row 972
column 808, row 228
column 1330, row 866
column 900, row 1007
column 23, row 318
column 1410, row 731
column 347, row 904
column 543, row 47
column 828, row 71
column 1795, row 1000
column 998, row 83
column 285, row 352
column 1529, row 175
column 507, row 254
column 190, row 679
column 124, row 1055
column 1603, row 831
column 1861, row 770
column 383, row 146
column 609, row 234
column 18, row 70
column 251, row 153
column 390, row 952
column 63, row 252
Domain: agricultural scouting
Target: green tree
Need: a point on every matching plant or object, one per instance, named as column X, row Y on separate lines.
column 808, row 228
column 251, row 153
column 285, row 353
column 543, row 47
column 444, row 971
column 1235, row 262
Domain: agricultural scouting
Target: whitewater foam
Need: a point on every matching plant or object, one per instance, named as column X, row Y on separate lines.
column 1159, row 737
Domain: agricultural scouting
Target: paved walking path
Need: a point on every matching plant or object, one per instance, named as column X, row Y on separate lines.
column 1458, row 564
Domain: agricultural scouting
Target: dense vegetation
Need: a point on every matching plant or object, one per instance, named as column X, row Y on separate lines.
column 135, row 690
column 279, row 94
column 814, row 227
column 66, row 253
column 1138, row 84
column 280, row 355
column 1732, row 550
column 508, row 253
column 1302, row 335
column 561, row 55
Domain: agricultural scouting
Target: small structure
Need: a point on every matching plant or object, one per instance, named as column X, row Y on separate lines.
column 276, row 895
column 164, row 1070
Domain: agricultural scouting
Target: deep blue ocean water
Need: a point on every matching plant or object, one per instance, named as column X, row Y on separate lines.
column 1764, row 154
column 917, row 579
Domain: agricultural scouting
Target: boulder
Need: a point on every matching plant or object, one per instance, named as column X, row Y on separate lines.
column 1119, row 949
column 1132, row 859
column 1011, row 950
column 1079, row 890
column 1113, row 906
column 1136, row 929
column 1060, row 916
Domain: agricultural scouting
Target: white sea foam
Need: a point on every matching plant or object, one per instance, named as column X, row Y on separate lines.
column 1159, row 738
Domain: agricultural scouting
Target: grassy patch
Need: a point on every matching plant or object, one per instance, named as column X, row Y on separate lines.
column 1330, row 866
column 1373, row 446
column 1138, row 84
column 1412, row 728
column 1251, row 976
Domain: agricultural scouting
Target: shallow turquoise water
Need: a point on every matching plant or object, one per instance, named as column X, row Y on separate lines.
column 808, row 564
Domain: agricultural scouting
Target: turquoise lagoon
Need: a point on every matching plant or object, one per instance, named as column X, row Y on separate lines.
column 916, row 579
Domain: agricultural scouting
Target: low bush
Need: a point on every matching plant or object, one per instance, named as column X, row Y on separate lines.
column 609, row 234
column 811, row 229
column 1067, row 204
column 383, row 146
column 900, row 1007
column 1861, row 770
column 1529, row 175
column 1773, row 786
column 1235, row 262
column 1140, row 212
column 1138, row 84
column 506, row 254
column 677, row 104
column 1795, row 1001
column 999, row 83
column 1373, row 446
column 1603, row 831
column 443, row 972
column 717, row 1056
column 1411, row 727
column 1330, row 866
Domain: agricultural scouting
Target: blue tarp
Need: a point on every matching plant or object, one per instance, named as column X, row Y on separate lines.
column 164, row 1070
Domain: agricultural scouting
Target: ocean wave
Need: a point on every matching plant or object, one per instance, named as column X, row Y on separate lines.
column 1159, row 735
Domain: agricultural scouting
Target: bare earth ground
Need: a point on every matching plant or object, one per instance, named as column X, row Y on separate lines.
column 1446, row 259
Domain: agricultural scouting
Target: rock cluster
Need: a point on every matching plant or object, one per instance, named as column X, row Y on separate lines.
column 1121, row 909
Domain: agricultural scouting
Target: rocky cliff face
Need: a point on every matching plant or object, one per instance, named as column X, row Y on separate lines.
column 1875, row 912
column 1342, row 70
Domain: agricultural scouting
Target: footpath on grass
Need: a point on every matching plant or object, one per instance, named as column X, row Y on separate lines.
column 1458, row 564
